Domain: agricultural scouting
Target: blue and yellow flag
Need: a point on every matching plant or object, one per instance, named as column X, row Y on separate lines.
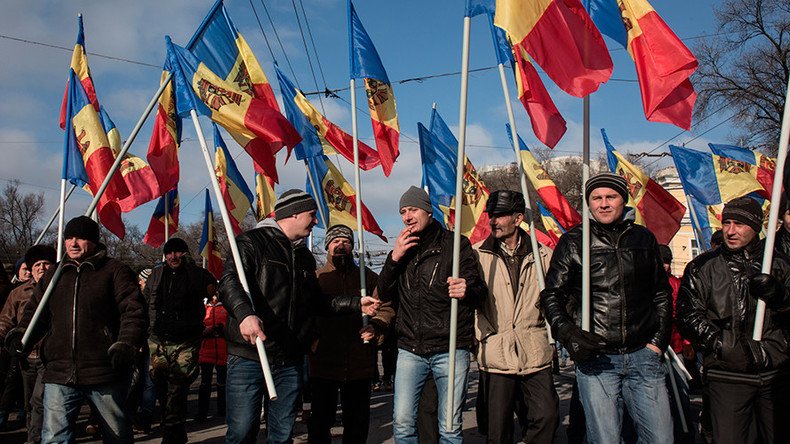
column 79, row 63
column 235, row 192
column 763, row 169
column 264, row 194
column 208, row 242
column 155, row 235
column 553, row 228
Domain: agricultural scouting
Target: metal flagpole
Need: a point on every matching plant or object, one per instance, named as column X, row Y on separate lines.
column 676, row 392
column 55, row 215
column 360, row 232
column 61, row 211
column 524, row 190
column 234, row 248
column 459, row 183
column 124, row 149
column 310, row 178
column 697, row 230
column 586, row 304
column 773, row 214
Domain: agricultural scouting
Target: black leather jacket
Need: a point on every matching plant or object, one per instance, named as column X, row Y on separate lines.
column 285, row 294
column 417, row 285
column 714, row 307
column 629, row 290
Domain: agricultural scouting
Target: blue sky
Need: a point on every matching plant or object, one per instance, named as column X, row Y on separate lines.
column 414, row 39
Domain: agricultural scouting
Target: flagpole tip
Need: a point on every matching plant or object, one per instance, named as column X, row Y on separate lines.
column 434, row 105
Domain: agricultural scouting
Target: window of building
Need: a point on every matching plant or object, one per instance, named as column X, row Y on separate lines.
column 694, row 248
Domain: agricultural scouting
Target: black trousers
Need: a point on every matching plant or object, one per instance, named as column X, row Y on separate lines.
column 355, row 406
column 540, row 397
column 743, row 413
column 204, row 391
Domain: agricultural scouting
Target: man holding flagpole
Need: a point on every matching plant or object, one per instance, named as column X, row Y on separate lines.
column 619, row 361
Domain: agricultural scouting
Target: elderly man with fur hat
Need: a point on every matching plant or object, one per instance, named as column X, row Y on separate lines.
column 619, row 362
column 747, row 379
column 175, row 292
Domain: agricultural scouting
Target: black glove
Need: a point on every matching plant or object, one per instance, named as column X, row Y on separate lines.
column 742, row 354
column 581, row 345
column 13, row 342
column 121, row 356
column 768, row 288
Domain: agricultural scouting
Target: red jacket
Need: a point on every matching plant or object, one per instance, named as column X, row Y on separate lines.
column 213, row 350
column 676, row 341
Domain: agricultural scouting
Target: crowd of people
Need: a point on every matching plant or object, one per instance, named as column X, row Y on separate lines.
column 122, row 341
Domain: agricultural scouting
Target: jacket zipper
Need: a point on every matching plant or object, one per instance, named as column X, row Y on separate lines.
column 73, row 377
column 433, row 274
column 622, row 285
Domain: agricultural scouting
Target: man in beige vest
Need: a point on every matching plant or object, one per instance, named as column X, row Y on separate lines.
column 514, row 355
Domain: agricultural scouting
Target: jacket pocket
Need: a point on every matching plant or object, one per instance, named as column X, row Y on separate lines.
column 498, row 353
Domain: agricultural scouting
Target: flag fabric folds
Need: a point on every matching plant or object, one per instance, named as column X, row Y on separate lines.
column 763, row 168
column 663, row 63
column 553, row 228
column 438, row 150
column 561, row 37
column 235, row 192
column 337, row 197
column 366, row 64
column 319, row 135
column 655, row 207
column 165, row 137
column 79, row 63
column 547, row 122
column 264, row 194
column 208, row 242
column 552, row 197
column 155, row 235
column 504, row 53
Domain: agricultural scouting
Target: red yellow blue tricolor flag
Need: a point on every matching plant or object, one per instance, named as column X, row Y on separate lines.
column 137, row 174
column 79, row 63
column 547, row 122
column 337, row 197
column 220, row 46
column 208, row 242
column 155, row 235
column 318, row 133
column 663, row 63
column 552, row 197
column 561, row 38
column 553, row 228
column 655, row 207
column 763, row 168
column 366, row 64
column 264, row 194
column 166, row 137
column 235, row 192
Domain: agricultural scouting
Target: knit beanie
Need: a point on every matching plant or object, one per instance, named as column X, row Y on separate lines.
column 606, row 180
column 293, row 202
column 82, row 227
column 416, row 197
column 39, row 252
column 175, row 244
column 745, row 210
column 502, row 202
column 337, row 231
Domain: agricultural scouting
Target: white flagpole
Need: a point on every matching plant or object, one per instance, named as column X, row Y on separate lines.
column 360, row 232
column 698, row 230
column 59, row 215
column 310, row 178
column 234, row 248
column 773, row 214
column 586, row 303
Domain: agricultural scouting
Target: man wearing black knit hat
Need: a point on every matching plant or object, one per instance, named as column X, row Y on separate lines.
column 285, row 298
column 747, row 379
column 175, row 291
column 619, row 361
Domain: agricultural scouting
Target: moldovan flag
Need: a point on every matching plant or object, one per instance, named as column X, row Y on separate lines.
column 337, row 198
column 199, row 89
column 663, row 63
column 561, row 37
column 762, row 166
column 655, row 208
column 235, row 192
column 208, row 242
column 219, row 45
column 155, row 235
column 166, row 136
column 79, row 63
column 553, row 228
column 438, row 150
column 264, row 194
column 366, row 64
column 555, row 201
column 86, row 143
column 319, row 135
column 138, row 175
column 547, row 122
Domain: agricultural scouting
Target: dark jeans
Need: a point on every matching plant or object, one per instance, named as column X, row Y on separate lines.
column 537, row 392
column 204, row 392
column 355, row 405
column 33, row 390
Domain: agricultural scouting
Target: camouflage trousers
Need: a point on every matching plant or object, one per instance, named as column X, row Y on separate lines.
column 174, row 367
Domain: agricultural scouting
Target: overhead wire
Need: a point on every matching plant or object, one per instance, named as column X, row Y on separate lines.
column 280, row 42
column 307, row 53
column 266, row 39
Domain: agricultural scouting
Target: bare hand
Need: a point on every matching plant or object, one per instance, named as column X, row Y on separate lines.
column 367, row 333
column 251, row 328
column 370, row 305
column 654, row 348
column 457, row 287
column 403, row 243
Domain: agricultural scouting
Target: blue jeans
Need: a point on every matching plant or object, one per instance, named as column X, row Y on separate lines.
column 245, row 388
column 636, row 380
column 62, row 406
column 410, row 376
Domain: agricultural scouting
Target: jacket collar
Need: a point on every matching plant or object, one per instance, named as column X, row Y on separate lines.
column 491, row 244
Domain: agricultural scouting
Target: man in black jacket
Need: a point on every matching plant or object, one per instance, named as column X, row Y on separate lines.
column 175, row 292
column 285, row 297
column 619, row 361
column 91, row 328
column 417, row 276
column 747, row 379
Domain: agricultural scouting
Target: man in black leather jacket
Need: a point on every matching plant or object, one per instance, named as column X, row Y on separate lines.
column 285, row 297
column 748, row 380
column 620, row 360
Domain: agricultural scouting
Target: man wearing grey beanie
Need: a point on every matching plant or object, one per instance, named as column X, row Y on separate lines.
column 417, row 274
